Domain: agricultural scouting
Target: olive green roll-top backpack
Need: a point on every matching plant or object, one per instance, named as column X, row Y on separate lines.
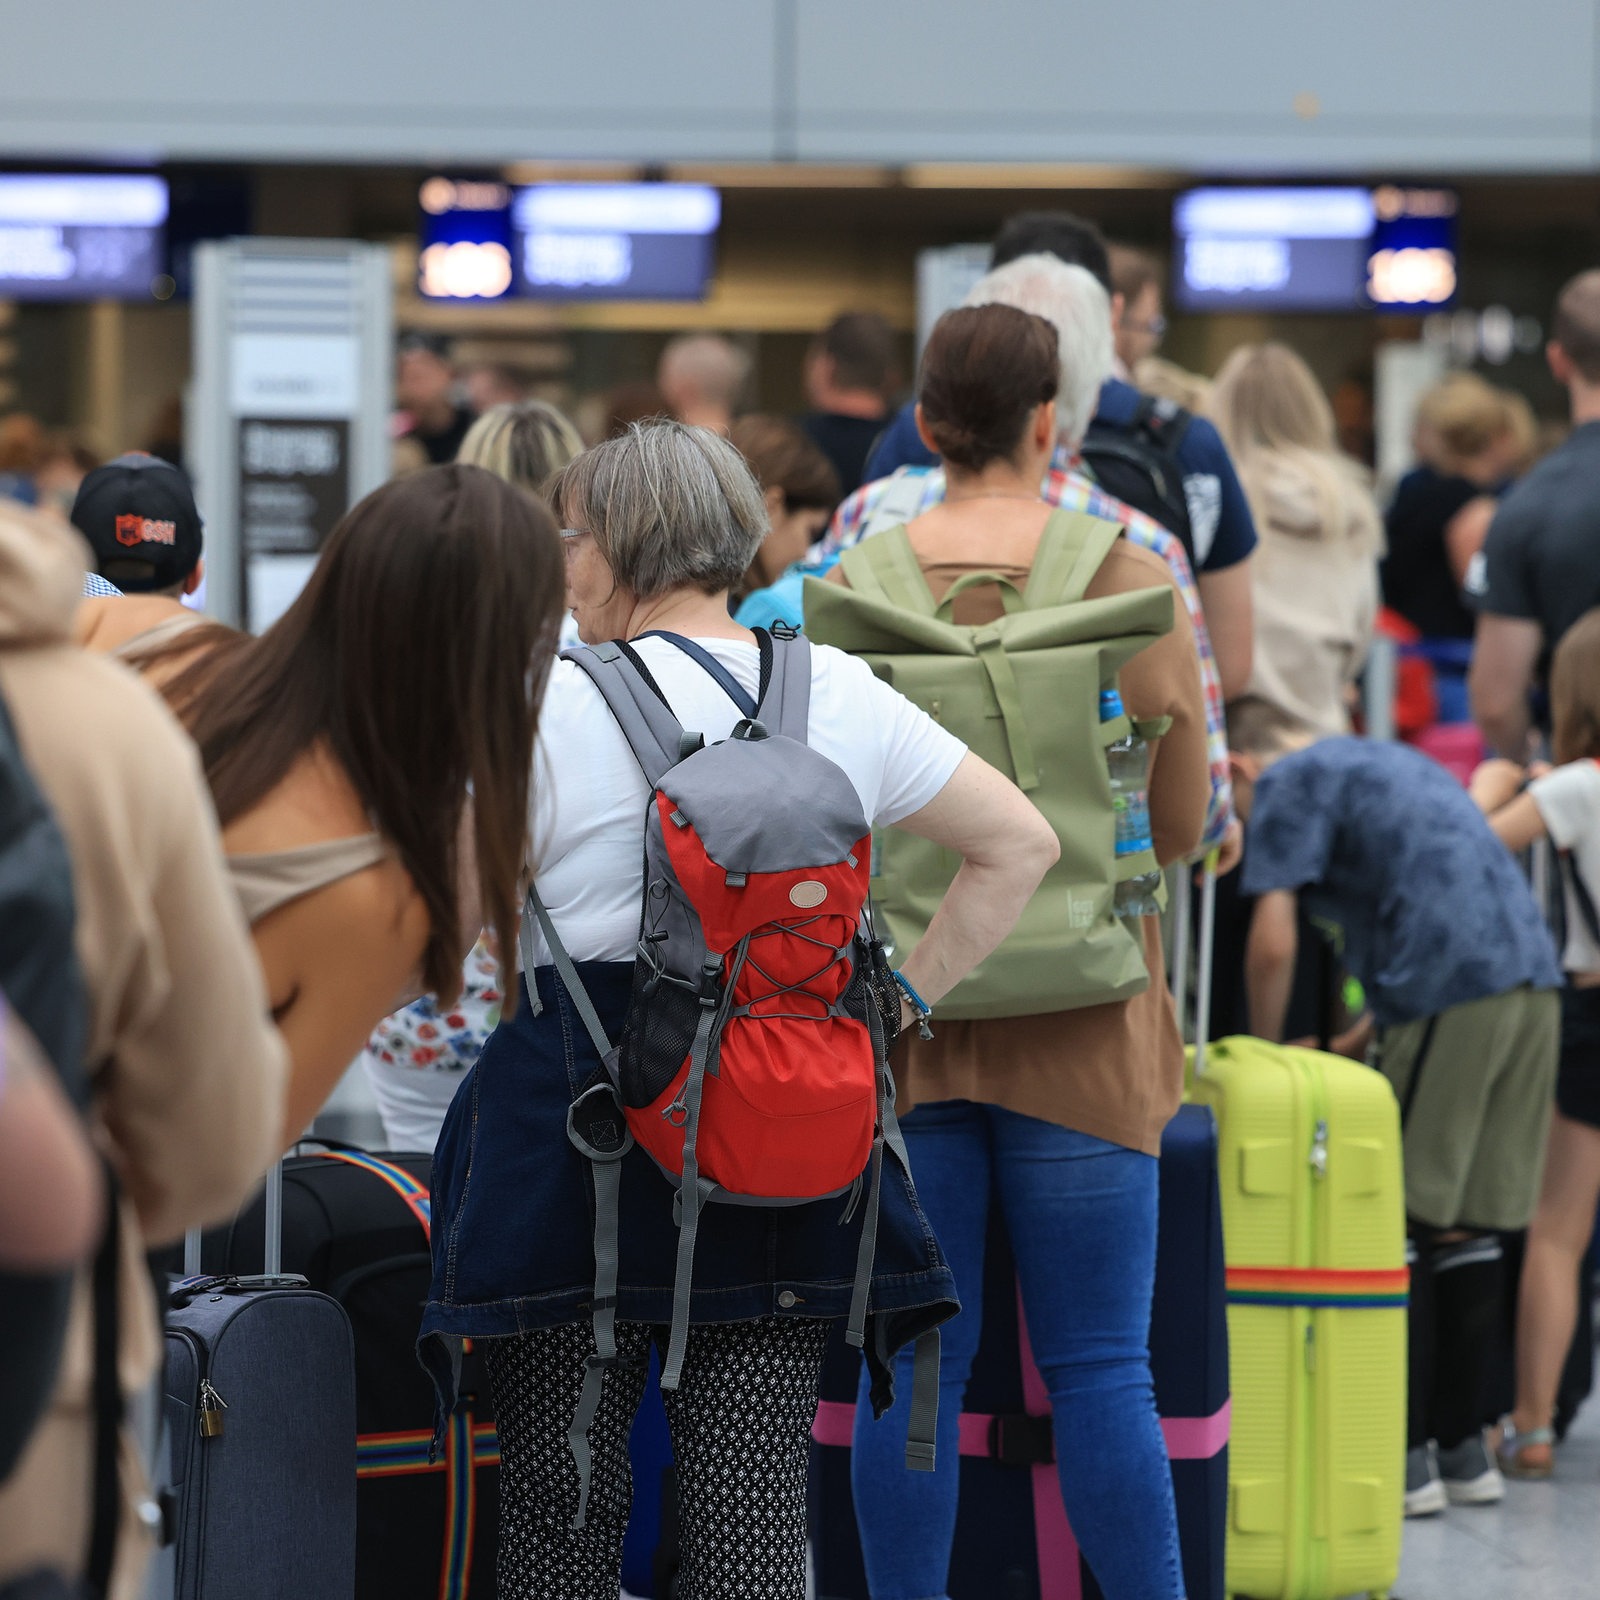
column 1023, row 692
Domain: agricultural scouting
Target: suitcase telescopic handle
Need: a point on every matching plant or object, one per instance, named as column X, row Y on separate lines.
column 272, row 1260
column 1206, row 963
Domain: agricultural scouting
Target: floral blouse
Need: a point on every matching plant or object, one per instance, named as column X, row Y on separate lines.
column 429, row 1039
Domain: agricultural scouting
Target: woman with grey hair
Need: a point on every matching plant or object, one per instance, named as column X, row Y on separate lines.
column 660, row 524
column 416, row 1058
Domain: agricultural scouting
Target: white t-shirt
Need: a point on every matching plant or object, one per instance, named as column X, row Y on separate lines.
column 588, row 809
column 1569, row 802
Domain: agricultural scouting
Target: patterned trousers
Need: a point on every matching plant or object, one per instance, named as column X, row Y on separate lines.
column 741, row 1433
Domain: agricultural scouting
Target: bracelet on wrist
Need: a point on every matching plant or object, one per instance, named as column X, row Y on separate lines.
column 918, row 1004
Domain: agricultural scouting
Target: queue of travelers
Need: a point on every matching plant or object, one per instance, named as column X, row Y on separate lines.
column 298, row 843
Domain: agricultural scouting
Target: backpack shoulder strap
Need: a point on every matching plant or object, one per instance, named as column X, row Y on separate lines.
column 1163, row 422
column 786, row 699
column 886, row 567
column 1580, row 893
column 703, row 658
column 899, row 503
column 1070, row 551
column 654, row 735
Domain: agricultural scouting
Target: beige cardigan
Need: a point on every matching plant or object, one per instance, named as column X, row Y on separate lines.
column 189, row 1073
column 1315, row 583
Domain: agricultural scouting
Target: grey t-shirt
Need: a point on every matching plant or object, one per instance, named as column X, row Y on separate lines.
column 1541, row 560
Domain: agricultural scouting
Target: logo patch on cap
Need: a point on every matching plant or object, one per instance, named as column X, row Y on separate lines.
column 808, row 894
column 133, row 529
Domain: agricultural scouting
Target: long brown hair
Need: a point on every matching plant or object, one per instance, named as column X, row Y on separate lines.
column 418, row 651
column 1575, row 691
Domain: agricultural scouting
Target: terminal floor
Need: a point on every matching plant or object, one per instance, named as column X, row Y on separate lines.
column 1542, row 1542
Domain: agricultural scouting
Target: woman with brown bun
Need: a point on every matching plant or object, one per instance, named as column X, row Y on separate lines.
column 1060, row 1115
column 369, row 754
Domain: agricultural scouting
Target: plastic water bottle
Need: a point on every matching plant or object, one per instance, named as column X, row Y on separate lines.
column 1128, row 761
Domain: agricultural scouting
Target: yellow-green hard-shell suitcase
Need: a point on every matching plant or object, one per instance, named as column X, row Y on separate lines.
column 1313, row 1219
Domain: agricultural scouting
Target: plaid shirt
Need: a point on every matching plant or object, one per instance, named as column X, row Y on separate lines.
column 1066, row 487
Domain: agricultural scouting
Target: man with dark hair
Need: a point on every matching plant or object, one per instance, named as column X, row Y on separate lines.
column 850, row 377
column 1539, row 570
column 1071, row 238
column 425, row 390
column 139, row 516
column 1123, row 453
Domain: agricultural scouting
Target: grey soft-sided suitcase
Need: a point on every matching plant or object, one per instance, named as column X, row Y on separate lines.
column 261, row 1417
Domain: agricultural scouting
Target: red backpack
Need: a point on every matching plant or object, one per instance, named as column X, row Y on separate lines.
column 753, row 1065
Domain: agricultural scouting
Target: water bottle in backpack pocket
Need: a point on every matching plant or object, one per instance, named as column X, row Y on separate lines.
column 1128, row 765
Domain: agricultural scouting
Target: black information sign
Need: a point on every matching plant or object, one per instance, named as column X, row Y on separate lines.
column 294, row 483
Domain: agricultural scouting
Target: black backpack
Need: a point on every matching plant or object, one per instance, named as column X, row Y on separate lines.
column 1138, row 463
column 43, row 986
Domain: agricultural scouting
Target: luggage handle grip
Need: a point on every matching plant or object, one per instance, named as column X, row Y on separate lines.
column 190, row 1289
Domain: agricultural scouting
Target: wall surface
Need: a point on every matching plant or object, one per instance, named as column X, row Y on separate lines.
column 1270, row 85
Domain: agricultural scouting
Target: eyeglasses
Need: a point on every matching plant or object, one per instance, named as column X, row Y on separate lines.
column 1154, row 327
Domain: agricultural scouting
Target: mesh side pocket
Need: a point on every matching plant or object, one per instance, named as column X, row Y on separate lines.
column 657, row 1035
column 872, row 985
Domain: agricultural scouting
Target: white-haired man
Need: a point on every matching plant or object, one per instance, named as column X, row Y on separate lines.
column 1074, row 301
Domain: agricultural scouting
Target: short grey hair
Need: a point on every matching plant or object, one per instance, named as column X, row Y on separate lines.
column 1075, row 302
column 669, row 506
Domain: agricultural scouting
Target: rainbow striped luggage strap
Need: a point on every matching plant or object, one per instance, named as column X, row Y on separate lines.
column 1319, row 1288
column 468, row 1444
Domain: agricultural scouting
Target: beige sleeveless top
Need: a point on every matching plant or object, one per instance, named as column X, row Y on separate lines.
column 270, row 880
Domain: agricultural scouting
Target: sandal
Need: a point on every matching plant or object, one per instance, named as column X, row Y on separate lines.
column 1510, row 1453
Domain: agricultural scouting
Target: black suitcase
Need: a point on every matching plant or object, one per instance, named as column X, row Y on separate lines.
column 1012, row 1538
column 260, row 1411
column 356, row 1225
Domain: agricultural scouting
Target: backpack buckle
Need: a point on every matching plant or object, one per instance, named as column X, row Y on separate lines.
column 1022, row 1441
column 711, row 983
column 596, row 1125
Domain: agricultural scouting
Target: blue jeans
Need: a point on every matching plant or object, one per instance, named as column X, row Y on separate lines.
column 1081, row 1216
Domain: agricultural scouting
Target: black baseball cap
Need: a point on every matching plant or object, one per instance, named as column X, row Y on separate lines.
column 139, row 516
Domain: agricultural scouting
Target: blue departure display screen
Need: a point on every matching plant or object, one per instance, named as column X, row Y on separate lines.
column 81, row 236
column 1314, row 249
column 615, row 241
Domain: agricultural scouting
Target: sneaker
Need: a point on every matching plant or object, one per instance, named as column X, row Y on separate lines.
column 1470, row 1476
column 1425, row 1491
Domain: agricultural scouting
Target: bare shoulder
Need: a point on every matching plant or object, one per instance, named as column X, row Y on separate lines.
column 105, row 622
column 363, row 932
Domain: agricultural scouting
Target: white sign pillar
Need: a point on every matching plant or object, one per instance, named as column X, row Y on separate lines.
column 288, row 413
